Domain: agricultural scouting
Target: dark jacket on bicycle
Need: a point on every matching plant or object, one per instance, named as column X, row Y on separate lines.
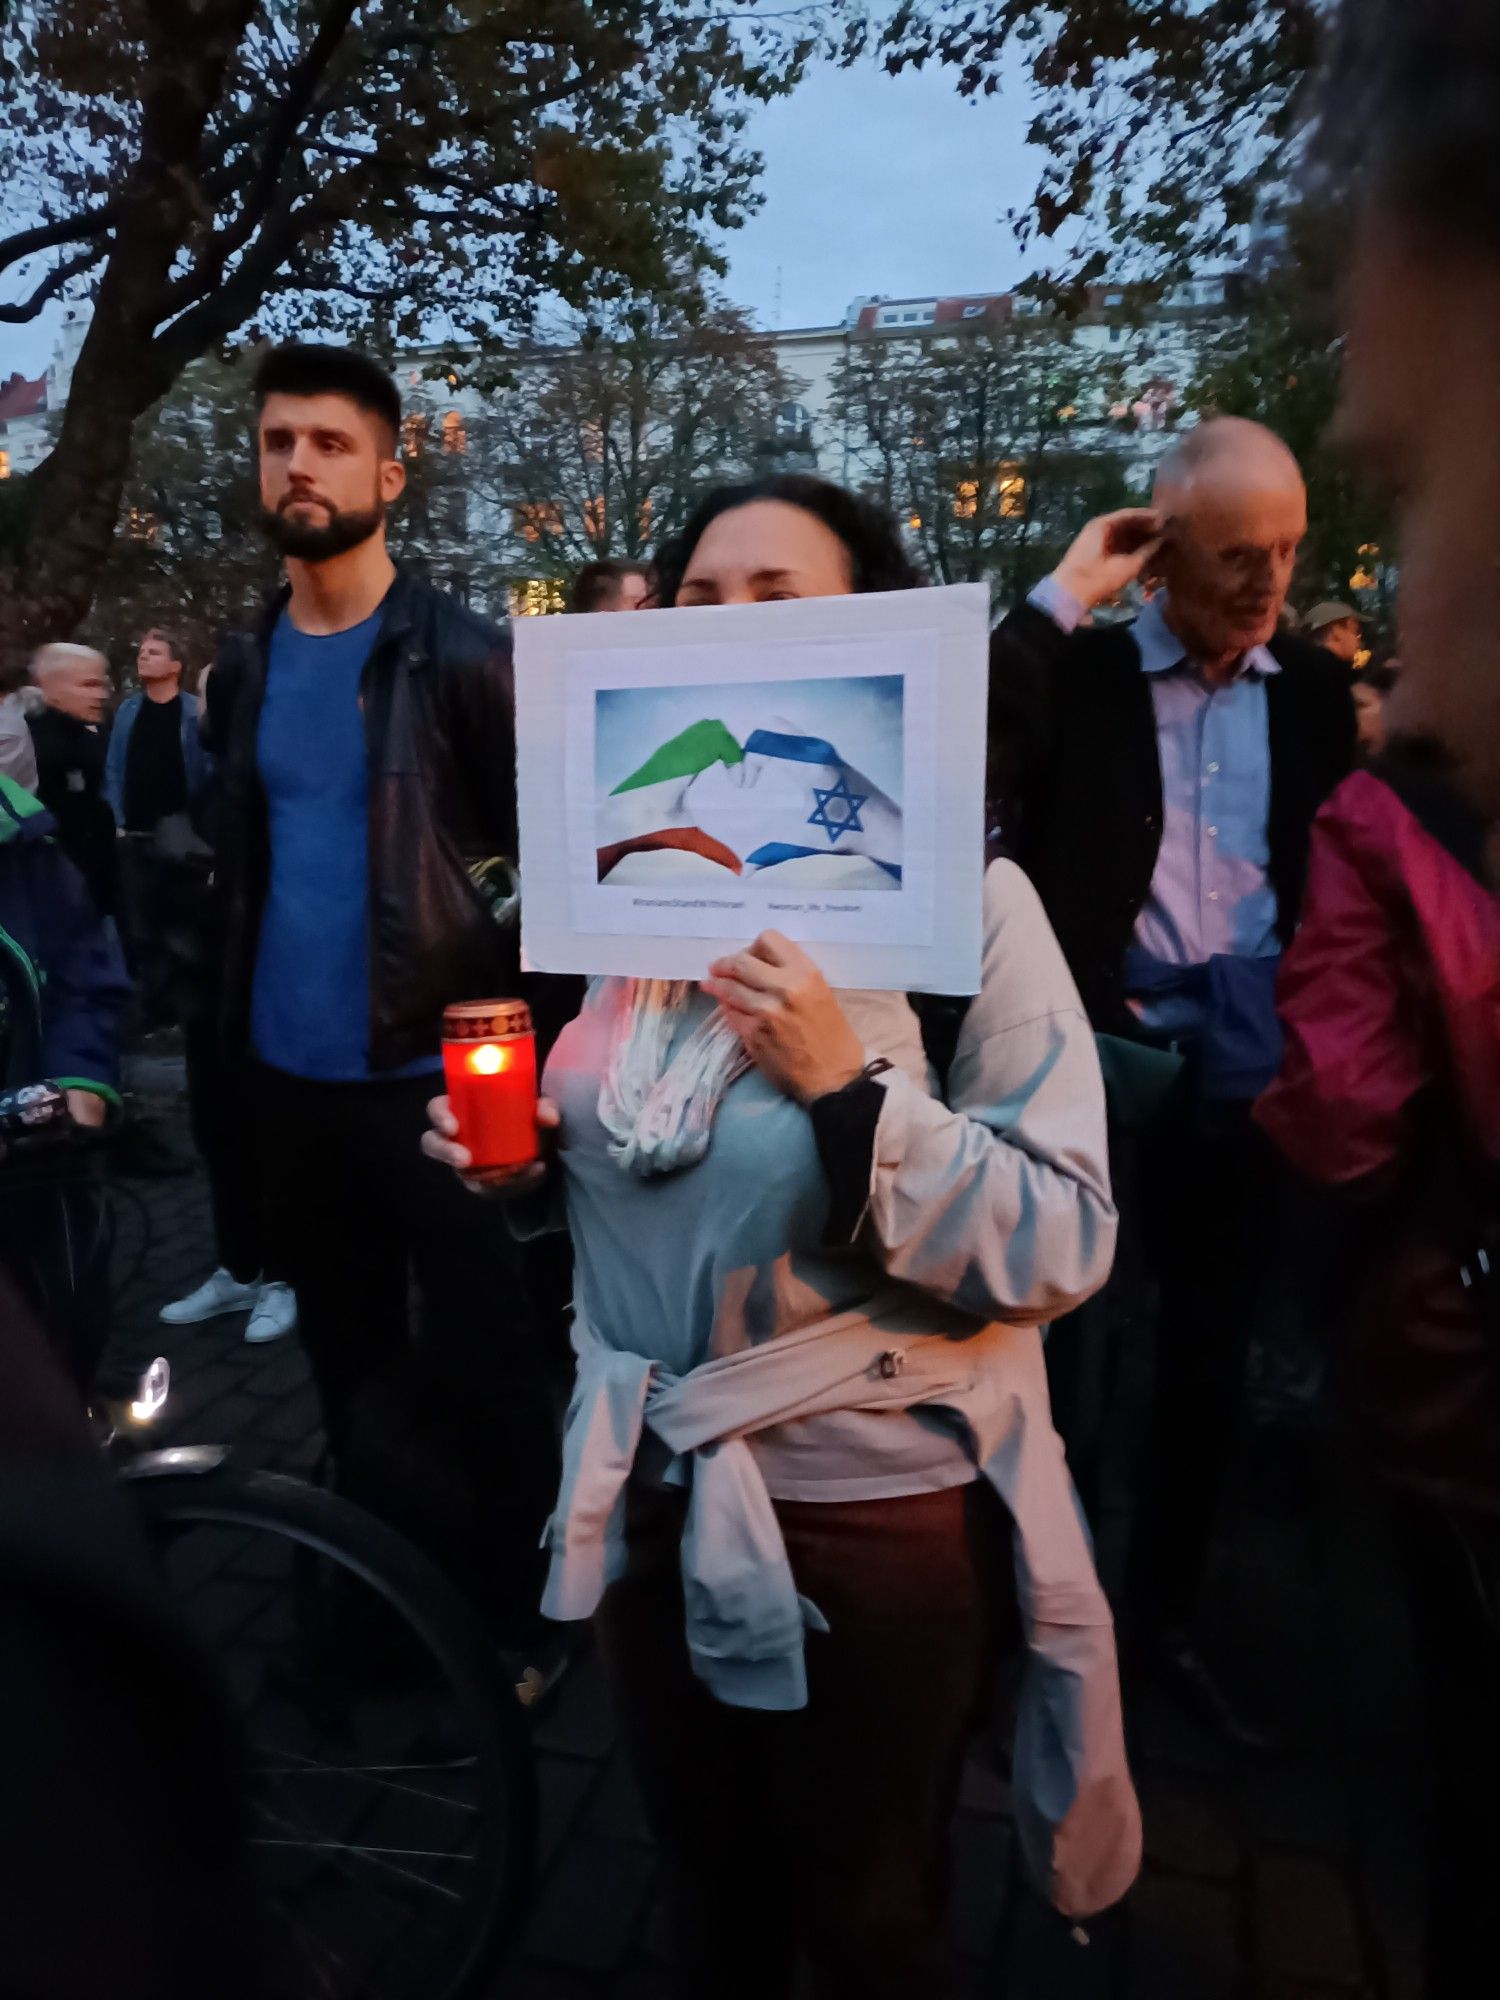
column 63, row 991
column 437, row 698
column 63, row 986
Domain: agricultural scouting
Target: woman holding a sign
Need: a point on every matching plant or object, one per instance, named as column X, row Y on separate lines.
column 811, row 1482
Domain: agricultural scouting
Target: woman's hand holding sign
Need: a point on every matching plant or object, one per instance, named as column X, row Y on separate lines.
column 787, row 1016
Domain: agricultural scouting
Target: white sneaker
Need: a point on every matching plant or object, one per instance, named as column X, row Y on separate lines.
column 216, row 1296
column 275, row 1313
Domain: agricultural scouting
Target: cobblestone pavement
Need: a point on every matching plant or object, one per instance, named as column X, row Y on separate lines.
column 1296, row 1878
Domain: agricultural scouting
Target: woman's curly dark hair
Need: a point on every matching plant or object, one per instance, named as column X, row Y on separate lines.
column 877, row 555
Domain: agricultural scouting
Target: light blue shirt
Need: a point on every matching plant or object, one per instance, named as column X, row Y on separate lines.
column 1211, row 895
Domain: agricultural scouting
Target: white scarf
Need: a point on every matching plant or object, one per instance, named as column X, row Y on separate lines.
column 659, row 1113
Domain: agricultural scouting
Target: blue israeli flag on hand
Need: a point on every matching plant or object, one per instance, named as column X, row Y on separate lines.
column 793, row 797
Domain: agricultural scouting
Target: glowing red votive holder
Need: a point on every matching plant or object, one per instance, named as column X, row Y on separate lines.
column 489, row 1062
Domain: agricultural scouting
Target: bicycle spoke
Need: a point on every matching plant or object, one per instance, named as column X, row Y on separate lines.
column 375, row 1774
column 375, row 1857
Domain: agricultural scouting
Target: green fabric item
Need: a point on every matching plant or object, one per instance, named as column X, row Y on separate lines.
column 111, row 1097
column 684, row 756
column 21, row 803
column 1138, row 1080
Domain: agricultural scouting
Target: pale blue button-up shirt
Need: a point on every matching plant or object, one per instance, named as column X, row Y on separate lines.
column 1211, row 895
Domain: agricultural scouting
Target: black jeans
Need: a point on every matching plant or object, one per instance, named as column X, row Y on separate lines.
column 819, row 1834
column 218, row 1106
column 437, row 1384
column 143, row 915
column 1205, row 1191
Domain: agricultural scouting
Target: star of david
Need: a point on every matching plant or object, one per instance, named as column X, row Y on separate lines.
column 837, row 795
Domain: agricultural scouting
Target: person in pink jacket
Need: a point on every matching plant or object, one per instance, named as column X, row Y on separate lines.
column 1390, row 1089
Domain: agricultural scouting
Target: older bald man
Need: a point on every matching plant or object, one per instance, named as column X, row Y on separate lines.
column 1159, row 781
column 70, row 738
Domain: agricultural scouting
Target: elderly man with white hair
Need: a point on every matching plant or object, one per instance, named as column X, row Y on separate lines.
column 1158, row 782
column 70, row 739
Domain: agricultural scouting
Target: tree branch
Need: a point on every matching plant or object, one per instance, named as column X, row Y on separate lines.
column 281, row 134
column 50, row 286
column 49, row 235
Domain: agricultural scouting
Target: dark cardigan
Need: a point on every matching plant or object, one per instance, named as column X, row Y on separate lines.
column 1075, row 781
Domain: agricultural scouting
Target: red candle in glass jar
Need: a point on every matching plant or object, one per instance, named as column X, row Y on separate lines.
column 489, row 1062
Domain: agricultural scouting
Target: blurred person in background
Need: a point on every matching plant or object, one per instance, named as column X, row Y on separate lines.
column 1373, row 688
column 1410, row 138
column 1390, row 1093
column 1337, row 629
column 70, row 736
column 1392, row 1084
column 610, row 585
column 154, row 775
column 17, row 752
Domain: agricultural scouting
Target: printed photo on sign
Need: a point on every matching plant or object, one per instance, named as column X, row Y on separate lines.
column 795, row 785
column 689, row 778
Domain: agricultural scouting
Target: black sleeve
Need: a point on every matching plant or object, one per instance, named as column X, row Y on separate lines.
column 483, row 725
column 844, row 1124
column 216, row 702
column 1026, row 653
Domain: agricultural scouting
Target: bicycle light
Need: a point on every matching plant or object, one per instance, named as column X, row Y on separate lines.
column 151, row 1392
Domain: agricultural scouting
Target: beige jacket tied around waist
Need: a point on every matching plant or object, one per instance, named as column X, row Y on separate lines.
column 980, row 1241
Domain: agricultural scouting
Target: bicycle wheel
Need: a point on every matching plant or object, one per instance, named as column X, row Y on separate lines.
column 393, row 1794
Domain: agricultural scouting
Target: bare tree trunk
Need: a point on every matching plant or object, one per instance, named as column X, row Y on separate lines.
column 72, row 500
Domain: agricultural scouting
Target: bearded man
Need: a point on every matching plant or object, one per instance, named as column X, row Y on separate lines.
column 365, row 741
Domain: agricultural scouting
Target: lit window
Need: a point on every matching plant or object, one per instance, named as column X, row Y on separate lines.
column 1068, row 412
column 1361, row 579
column 455, row 432
column 1012, row 493
column 966, row 500
column 141, row 526
column 536, row 596
column 4, row 465
column 535, row 518
column 595, row 518
column 414, row 435
column 915, row 522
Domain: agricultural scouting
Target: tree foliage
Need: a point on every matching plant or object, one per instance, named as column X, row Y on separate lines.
column 1163, row 124
column 600, row 445
column 197, row 165
column 1280, row 362
column 991, row 444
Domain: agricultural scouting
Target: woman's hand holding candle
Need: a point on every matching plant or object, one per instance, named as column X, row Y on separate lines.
column 441, row 1143
column 787, row 1016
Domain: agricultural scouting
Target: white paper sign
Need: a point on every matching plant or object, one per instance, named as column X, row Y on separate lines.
column 689, row 778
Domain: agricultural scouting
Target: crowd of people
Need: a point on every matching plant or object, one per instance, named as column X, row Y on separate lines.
column 839, row 1270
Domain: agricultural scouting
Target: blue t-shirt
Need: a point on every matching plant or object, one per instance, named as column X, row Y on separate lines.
column 310, row 1003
